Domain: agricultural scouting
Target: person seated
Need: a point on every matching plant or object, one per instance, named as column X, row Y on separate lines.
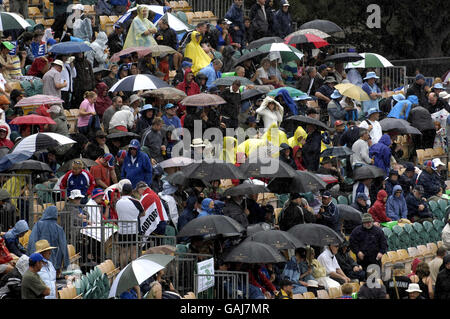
column 418, row 209
column 260, row 286
column 378, row 210
column 298, row 271
column 347, row 291
column 286, row 155
column 104, row 172
column 348, row 265
column 12, row 238
column 328, row 260
column 375, row 291
column 327, row 167
column 10, row 283
column 391, row 181
column 414, row 292
column 396, row 207
column 286, row 290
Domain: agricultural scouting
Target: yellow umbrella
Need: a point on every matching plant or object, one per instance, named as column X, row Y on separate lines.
column 352, row 91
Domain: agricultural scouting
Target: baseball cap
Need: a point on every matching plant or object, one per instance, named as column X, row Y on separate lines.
column 362, row 195
column 430, row 164
column 109, row 158
column 326, row 194
column 322, row 67
column 338, row 123
column 437, row 162
column 169, row 106
column 36, row 257
column 97, row 192
column 438, row 86
column 420, row 77
column 419, row 188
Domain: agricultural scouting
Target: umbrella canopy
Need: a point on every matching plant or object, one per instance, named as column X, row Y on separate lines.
column 158, row 50
column 211, row 226
column 32, row 119
column 12, row 21
column 176, row 162
column 337, row 151
column 39, row 100
column 352, row 91
column 138, row 82
column 316, row 235
column 347, row 212
column 141, row 51
column 308, row 120
column 167, row 93
column 302, row 182
column 102, row 70
column 122, row 134
column 278, row 239
column 174, row 23
column 248, row 56
column 257, row 43
column 163, row 249
column 39, row 141
column 253, row 252
column 10, row 159
column 266, row 167
column 248, row 94
column 203, row 99
column 228, row 81
column 328, row 179
column 344, row 57
column 399, row 125
column 370, row 60
column 253, row 229
column 179, row 178
column 316, row 32
column 68, row 165
column 245, row 189
column 209, row 171
column 293, row 92
column 307, row 38
column 287, row 52
column 69, row 48
column 367, row 171
column 31, row 165
column 325, row 26
column 138, row 271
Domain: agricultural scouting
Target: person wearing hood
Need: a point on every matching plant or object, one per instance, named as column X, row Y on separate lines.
column 229, row 150
column 207, row 208
column 236, row 15
column 271, row 112
column 12, row 238
column 289, row 106
column 378, row 210
column 211, row 71
column 195, row 52
column 4, row 141
column 146, row 119
column 234, row 210
column 11, row 283
column 228, row 59
column 286, row 155
column 293, row 214
column 403, row 106
column 191, row 211
column 418, row 89
column 396, row 207
column 387, row 105
column 98, row 56
column 381, row 153
column 297, row 155
column 82, row 28
column 312, row 147
column 391, row 181
column 299, row 138
column 103, row 101
column 47, row 228
column 272, row 136
column 141, row 30
column 137, row 166
column 122, row 120
column 283, row 20
column 189, row 86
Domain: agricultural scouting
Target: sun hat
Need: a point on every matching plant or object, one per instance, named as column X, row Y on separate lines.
column 58, row 62
column 437, row 162
column 97, row 192
column 336, row 95
column 413, row 288
column 134, row 98
column 197, row 142
column 367, row 218
column 76, row 193
column 371, row 75
column 43, row 245
column 438, row 86
column 372, row 111
column 147, row 107
column 330, row 79
column 36, row 257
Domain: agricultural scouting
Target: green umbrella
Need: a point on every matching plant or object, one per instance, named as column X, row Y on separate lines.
column 138, row 271
column 293, row 92
column 12, row 21
column 371, row 60
column 287, row 52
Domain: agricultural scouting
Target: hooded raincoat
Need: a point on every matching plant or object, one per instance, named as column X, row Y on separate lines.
column 195, row 52
column 190, row 88
column 378, row 210
column 103, row 102
column 401, row 109
column 206, row 210
column 12, row 238
column 138, row 168
column 270, row 117
column 396, row 206
column 299, row 133
column 274, row 135
column 97, row 56
column 135, row 36
column 47, row 228
column 229, row 150
column 381, row 152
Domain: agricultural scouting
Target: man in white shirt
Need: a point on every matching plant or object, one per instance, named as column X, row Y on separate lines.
column 167, row 196
column 361, row 149
column 122, row 120
column 328, row 259
column 93, row 208
column 68, row 73
column 373, row 125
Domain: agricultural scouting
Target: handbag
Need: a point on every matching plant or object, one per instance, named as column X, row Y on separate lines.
column 5, row 255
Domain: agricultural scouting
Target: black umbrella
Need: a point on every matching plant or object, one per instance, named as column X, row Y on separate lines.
column 102, row 70
column 68, row 165
column 248, row 94
column 252, row 252
column 325, row 26
column 254, row 228
column 344, row 57
column 367, row 171
column 179, row 178
column 316, row 235
column 248, row 56
column 302, row 182
column 209, row 171
column 212, row 225
column 228, row 81
column 347, row 212
column 266, row 167
column 278, row 239
column 399, row 125
column 257, row 43
column 245, row 189
column 307, row 120
column 337, row 151
column 122, row 134
column 31, row 165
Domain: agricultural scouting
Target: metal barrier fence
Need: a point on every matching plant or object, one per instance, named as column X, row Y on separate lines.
column 227, row 285
column 219, row 8
column 392, row 78
column 411, row 79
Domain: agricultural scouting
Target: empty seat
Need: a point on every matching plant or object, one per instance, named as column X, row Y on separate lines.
column 322, row 294
column 334, row 292
column 342, row 200
column 298, row 296
column 309, row 295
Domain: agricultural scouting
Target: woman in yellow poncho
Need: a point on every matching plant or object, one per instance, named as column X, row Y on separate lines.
column 250, row 145
column 195, row 52
column 274, row 135
column 17, row 187
column 299, row 138
column 141, row 30
column 229, row 150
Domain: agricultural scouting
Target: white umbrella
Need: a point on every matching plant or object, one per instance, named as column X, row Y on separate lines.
column 138, row 271
column 12, row 21
column 175, row 23
column 138, row 82
column 371, row 60
column 176, row 162
column 39, row 141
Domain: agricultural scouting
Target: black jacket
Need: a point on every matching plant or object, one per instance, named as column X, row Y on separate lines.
column 260, row 27
column 442, row 289
column 311, row 151
column 257, row 213
column 413, row 207
column 418, row 91
column 114, row 43
column 85, row 78
column 169, row 38
column 93, row 151
column 233, row 106
column 293, row 215
column 233, row 210
column 420, row 118
column 369, row 241
column 440, row 104
column 350, row 136
column 346, row 262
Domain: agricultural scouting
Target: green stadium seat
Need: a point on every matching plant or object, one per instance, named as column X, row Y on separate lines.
column 438, row 225
column 442, row 205
column 78, row 286
column 181, row 248
column 350, row 198
column 432, row 234
column 342, row 200
column 433, row 205
column 335, row 202
column 414, row 237
column 424, row 238
column 402, row 236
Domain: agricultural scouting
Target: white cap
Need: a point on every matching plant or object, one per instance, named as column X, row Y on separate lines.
column 76, row 193
column 78, row 6
column 444, row 95
column 197, row 142
column 58, row 62
column 437, row 162
column 413, row 288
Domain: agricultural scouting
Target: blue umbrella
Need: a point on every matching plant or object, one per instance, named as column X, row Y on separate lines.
column 10, row 159
column 69, row 47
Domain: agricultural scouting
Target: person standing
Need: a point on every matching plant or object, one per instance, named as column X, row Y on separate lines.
column 373, row 125
column 155, row 139
column 418, row 89
column 283, row 20
column 68, row 74
column 141, row 30
column 52, row 80
column 360, row 149
column 32, row 285
column 86, row 111
column 442, row 288
column 294, row 214
column 381, row 153
column 78, row 178
column 397, row 286
column 259, row 17
column 110, row 111
column 137, row 166
column 374, row 92
column 84, row 81
column 311, row 148
column 236, row 15
column 329, row 213
column 368, row 243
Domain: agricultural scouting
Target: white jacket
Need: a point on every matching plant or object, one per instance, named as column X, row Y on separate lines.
column 269, row 116
column 173, row 209
column 124, row 117
column 446, row 237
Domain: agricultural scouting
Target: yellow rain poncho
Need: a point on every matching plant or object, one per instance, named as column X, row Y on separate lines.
column 16, row 186
column 229, row 150
column 195, row 52
column 275, row 136
column 250, row 145
column 300, row 133
column 140, row 24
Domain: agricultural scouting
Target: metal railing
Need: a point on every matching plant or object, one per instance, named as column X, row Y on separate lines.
column 392, row 77
column 219, row 8
column 227, row 285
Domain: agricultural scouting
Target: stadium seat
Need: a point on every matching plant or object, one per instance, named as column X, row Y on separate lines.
column 402, row 236
column 424, row 238
column 442, row 205
column 438, row 226
column 425, row 252
column 433, row 205
column 298, row 296
column 414, row 237
column 309, row 295
column 322, row 294
column 334, row 292
column 335, row 202
column 405, row 258
column 432, row 234
column 350, row 198
column 342, row 200
column 34, row 12
column 432, row 247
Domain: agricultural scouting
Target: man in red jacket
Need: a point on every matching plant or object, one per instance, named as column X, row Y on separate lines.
column 378, row 210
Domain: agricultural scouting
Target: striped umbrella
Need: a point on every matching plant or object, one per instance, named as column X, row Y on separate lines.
column 316, row 32
column 38, row 100
column 158, row 10
column 12, row 21
column 141, row 51
column 287, row 52
column 371, row 60
column 41, row 141
column 138, row 82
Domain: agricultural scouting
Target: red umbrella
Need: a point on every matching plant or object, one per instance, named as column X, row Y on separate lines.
column 308, row 38
column 141, row 51
column 32, row 120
